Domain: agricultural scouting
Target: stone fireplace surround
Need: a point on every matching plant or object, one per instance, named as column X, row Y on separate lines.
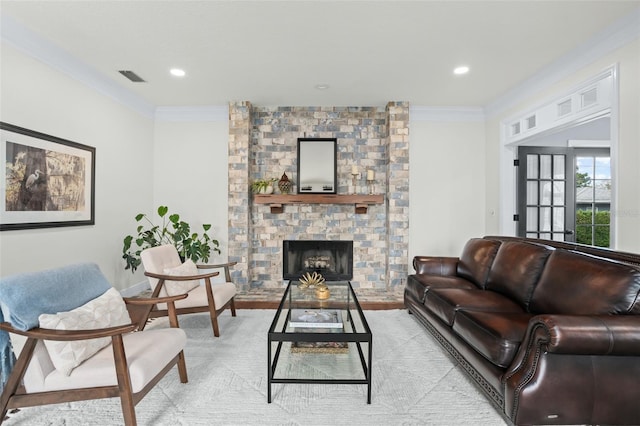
column 262, row 144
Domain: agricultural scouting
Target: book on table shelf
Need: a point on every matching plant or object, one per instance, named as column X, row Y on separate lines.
column 315, row 318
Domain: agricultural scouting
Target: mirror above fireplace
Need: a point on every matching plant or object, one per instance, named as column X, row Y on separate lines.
column 317, row 165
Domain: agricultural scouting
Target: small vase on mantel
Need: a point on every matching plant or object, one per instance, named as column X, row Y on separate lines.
column 284, row 184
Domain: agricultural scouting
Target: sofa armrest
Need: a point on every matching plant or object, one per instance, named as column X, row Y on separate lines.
column 590, row 335
column 435, row 265
column 576, row 335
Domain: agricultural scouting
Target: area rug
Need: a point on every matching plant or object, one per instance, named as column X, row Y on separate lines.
column 415, row 382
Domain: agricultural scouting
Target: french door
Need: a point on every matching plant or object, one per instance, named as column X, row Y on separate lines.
column 546, row 193
column 564, row 194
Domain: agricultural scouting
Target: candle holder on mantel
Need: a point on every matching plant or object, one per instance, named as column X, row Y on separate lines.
column 371, row 185
column 354, row 181
column 370, row 181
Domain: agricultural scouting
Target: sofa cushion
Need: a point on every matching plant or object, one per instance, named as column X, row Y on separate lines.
column 446, row 302
column 516, row 270
column 580, row 284
column 419, row 284
column 496, row 335
column 476, row 259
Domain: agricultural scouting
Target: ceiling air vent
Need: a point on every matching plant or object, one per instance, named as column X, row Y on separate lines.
column 132, row 76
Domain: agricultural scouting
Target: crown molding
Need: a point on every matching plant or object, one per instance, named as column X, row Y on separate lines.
column 38, row 48
column 620, row 33
column 193, row 113
column 446, row 114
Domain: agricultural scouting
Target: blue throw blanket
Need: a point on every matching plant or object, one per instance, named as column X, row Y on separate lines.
column 26, row 296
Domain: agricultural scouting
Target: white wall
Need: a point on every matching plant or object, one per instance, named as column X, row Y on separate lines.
column 37, row 97
column 625, row 153
column 191, row 174
column 447, row 192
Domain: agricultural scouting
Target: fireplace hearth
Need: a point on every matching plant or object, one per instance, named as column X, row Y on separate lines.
column 332, row 259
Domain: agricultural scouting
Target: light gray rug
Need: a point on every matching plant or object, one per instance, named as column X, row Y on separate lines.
column 415, row 382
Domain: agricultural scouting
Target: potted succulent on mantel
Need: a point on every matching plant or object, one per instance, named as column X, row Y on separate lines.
column 177, row 232
column 263, row 186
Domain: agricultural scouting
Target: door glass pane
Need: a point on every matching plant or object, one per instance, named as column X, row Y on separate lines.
column 603, row 167
column 532, row 166
column 601, row 236
column 558, row 193
column 558, row 237
column 545, row 166
column 584, row 171
column 545, row 219
column 532, row 219
column 532, row 192
column 558, row 167
column 558, row 219
column 545, row 193
column 545, row 236
column 583, row 234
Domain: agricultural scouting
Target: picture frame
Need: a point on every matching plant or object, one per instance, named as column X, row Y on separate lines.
column 46, row 181
column 317, row 165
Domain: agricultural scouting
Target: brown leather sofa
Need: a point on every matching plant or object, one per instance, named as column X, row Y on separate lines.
column 550, row 331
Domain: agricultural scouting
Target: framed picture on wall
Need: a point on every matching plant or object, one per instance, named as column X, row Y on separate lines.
column 46, row 181
column 317, row 165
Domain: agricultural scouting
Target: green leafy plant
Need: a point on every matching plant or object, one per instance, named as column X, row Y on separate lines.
column 172, row 231
column 261, row 185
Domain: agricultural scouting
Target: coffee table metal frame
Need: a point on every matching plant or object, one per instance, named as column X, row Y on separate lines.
column 357, row 332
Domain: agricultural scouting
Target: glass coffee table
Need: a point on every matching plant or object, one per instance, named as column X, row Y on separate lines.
column 314, row 340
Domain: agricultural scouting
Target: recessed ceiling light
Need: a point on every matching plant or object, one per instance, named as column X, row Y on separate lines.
column 322, row 86
column 461, row 70
column 177, row 72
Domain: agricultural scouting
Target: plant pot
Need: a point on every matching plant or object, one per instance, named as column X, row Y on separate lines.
column 266, row 190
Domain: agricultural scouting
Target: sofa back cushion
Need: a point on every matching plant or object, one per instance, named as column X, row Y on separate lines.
column 579, row 284
column 516, row 270
column 476, row 259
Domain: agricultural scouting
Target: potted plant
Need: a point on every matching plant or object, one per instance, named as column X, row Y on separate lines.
column 172, row 231
column 263, row 186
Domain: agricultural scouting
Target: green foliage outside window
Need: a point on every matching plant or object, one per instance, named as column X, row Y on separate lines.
column 584, row 226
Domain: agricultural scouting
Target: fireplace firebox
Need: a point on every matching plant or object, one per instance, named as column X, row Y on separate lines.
column 332, row 259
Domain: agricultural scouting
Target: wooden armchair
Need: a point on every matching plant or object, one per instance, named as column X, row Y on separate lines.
column 128, row 367
column 168, row 275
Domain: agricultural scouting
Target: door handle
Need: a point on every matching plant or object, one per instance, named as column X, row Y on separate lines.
column 568, row 232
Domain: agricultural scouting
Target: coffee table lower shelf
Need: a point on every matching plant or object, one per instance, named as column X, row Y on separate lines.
column 365, row 362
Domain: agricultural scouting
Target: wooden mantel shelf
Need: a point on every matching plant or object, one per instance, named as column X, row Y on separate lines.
column 276, row 201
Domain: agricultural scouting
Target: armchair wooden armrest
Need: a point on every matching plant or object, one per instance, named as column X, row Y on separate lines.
column 66, row 335
column 152, row 300
column 226, row 266
column 219, row 265
column 164, row 277
column 139, row 308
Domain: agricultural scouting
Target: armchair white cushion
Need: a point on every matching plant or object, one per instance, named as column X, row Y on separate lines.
column 162, row 263
column 76, row 304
